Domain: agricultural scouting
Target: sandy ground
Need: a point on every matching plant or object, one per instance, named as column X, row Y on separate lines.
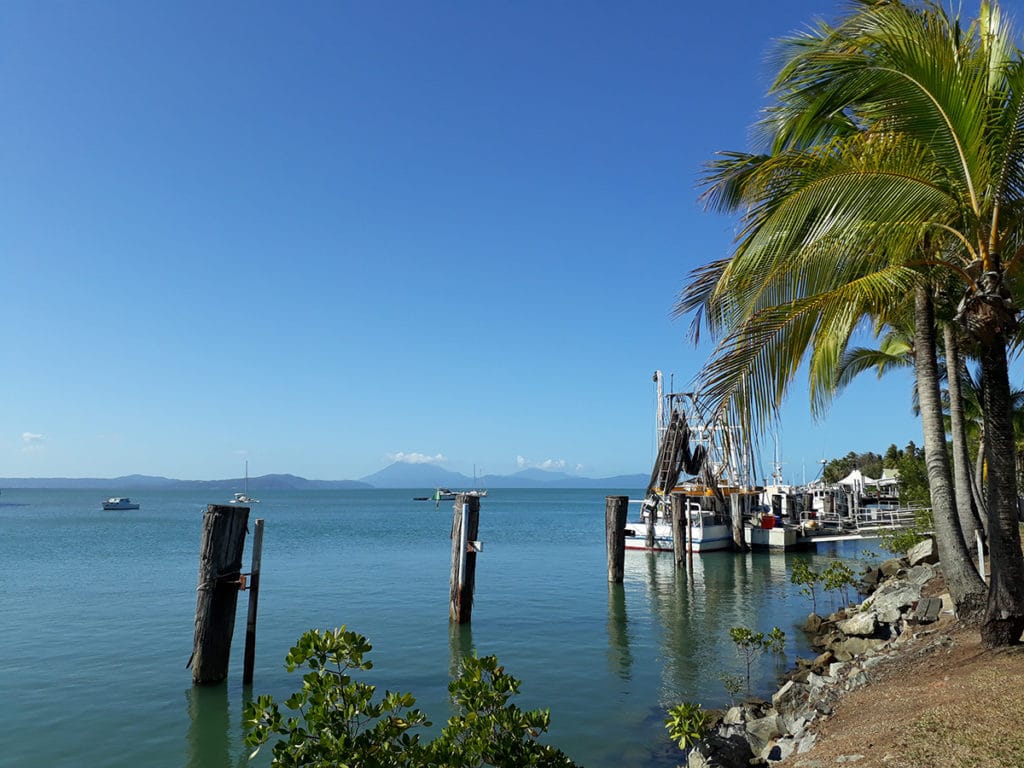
column 944, row 702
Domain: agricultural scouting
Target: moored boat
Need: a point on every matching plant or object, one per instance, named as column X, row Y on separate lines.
column 119, row 502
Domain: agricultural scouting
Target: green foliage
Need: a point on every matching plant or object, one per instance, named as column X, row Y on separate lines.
column 808, row 579
column 914, row 489
column 750, row 645
column 488, row 729
column 733, row 685
column 687, row 724
column 869, row 463
column 338, row 724
column 899, row 542
column 839, row 577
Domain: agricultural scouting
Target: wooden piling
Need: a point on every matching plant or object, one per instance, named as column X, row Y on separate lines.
column 736, row 513
column 465, row 530
column 615, row 508
column 220, row 573
column 254, row 598
column 679, row 525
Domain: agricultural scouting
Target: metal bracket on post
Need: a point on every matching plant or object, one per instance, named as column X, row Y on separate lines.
column 464, row 538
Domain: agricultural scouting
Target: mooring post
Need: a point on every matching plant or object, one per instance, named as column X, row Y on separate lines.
column 220, row 577
column 465, row 529
column 679, row 526
column 736, row 511
column 254, row 598
column 615, row 508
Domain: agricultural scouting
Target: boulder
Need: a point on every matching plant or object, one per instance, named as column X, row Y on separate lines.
column 733, row 716
column 859, row 625
column 790, row 697
column 921, row 574
column 813, row 624
column 891, row 567
column 891, row 598
column 856, row 646
column 923, row 552
column 763, row 731
column 822, row 662
column 717, row 751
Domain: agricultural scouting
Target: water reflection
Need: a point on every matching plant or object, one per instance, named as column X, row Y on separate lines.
column 620, row 657
column 460, row 645
column 692, row 610
column 209, row 741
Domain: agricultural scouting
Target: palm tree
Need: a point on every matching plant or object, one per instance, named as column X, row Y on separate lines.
column 895, row 165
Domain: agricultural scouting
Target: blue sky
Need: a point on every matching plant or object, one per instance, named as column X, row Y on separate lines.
column 321, row 236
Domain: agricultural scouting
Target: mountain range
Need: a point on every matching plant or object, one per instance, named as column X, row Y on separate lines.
column 397, row 475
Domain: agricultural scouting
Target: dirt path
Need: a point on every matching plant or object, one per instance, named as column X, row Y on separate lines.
column 945, row 702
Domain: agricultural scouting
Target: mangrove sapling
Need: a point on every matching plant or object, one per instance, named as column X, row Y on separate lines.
column 750, row 645
column 687, row 724
column 337, row 722
column 808, row 579
column 839, row 577
column 733, row 685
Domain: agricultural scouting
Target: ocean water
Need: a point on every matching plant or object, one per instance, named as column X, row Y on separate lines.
column 97, row 619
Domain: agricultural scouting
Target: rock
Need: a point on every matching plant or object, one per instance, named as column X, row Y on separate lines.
column 860, row 624
column 836, row 668
column 806, row 745
column 923, row 552
column 790, row 697
column 871, row 578
column 849, row 758
column 794, row 725
column 921, row 574
column 733, row 716
column 891, row 567
column 858, row 680
column 822, row 661
column 782, row 750
column 891, row 598
column 720, row 752
column 856, row 646
column 813, row 624
column 761, row 732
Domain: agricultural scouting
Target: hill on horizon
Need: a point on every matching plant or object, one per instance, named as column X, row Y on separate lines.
column 397, row 475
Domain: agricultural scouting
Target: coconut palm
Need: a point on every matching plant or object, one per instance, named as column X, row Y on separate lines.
column 895, row 166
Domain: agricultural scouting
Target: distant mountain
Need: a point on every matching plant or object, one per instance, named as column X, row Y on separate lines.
column 397, row 475
column 148, row 483
column 427, row 476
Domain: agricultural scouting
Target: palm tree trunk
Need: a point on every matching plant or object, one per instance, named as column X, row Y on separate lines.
column 966, row 587
column 1004, row 617
column 979, row 483
column 958, row 429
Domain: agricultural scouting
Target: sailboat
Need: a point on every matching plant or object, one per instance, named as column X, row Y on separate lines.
column 243, row 497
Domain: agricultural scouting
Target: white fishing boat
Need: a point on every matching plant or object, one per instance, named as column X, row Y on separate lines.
column 708, row 530
column 244, row 497
column 712, row 479
column 119, row 502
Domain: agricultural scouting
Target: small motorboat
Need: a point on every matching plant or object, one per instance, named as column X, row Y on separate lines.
column 119, row 502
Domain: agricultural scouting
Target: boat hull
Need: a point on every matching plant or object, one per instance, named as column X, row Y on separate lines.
column 706, row 538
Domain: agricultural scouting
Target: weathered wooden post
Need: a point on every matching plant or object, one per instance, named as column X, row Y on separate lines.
column 736, row 510
column 465, row 529
column 220, row 576
column 254, row 598
column 615, row 536
column 679, row 526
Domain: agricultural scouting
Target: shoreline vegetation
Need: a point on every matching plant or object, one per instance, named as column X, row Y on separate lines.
column 900, row 683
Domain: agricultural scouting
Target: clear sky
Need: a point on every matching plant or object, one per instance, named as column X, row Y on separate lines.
column 321, row 236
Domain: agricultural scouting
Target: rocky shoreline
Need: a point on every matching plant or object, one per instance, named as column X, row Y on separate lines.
column 856, row 644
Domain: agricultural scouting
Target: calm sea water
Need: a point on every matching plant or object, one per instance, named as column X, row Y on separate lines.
column 97, row 619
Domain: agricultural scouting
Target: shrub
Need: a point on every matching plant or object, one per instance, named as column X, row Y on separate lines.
column 339, row 724
column 687, row 724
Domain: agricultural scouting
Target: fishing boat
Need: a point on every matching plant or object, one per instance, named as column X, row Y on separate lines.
column 244, row 497
column 711, row 480
column 119, row 502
